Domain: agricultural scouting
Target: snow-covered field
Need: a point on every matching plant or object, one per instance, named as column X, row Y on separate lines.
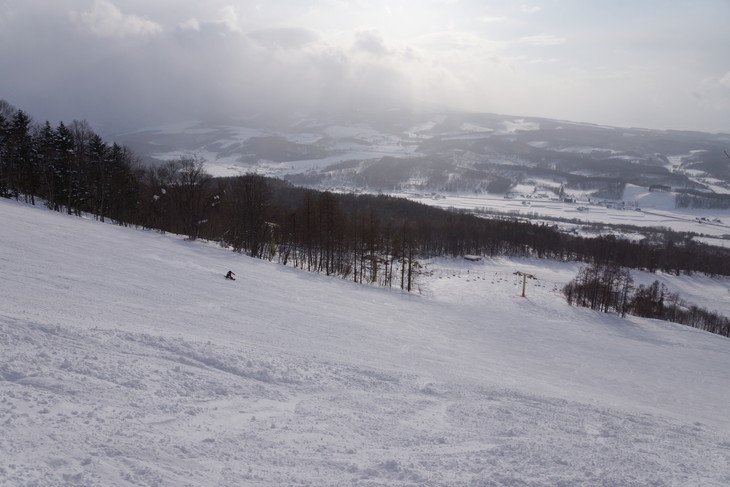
column 127, row 359
column 349, row 143
column 641, row 208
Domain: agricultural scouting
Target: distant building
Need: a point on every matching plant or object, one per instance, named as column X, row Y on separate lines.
column 656, row 188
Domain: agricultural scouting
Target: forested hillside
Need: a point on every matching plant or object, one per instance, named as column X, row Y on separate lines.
column 364, row 238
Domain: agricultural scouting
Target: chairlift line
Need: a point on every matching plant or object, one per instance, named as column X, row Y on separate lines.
column 525, row 276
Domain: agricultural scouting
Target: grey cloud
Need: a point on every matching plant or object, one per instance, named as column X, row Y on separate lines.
column 106, row 20
column 190, row 24
column 530, row 9
column 117, row 80
column 371, row 42
column 725, row 80
column 284, row 37
column 135, row 62
column 543, row 40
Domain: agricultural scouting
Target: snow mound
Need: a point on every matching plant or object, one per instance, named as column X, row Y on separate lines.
column 644, row 198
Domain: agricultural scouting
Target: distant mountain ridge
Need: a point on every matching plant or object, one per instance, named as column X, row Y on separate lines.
column 445, row 152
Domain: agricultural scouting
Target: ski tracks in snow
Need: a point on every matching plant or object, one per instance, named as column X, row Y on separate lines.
column 132, row 362
column 105, row 407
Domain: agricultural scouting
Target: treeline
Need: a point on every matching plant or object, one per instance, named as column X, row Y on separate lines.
column 609, row 288
column 364, row 238
column 68, row 166
column 709, row 201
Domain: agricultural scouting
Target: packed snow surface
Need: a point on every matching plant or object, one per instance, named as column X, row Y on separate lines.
column 127, row 359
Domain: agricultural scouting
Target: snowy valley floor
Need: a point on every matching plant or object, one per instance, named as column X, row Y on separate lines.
column 126, row 359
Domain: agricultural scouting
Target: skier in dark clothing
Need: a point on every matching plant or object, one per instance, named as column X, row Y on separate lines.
column 230, row 276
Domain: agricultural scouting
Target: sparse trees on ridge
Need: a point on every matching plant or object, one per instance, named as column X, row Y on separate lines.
column 603, row 288
column 177, row 195
column 610, row 289
column 246, row 206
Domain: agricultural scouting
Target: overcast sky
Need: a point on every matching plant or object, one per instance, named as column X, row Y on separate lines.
column 642, row 63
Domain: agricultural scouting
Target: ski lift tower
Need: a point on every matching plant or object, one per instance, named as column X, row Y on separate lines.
column 272, row 229
column 525, row 276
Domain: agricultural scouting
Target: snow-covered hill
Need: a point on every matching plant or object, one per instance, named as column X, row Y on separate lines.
column 127, row 359
column 472, row 161
column 447, row 152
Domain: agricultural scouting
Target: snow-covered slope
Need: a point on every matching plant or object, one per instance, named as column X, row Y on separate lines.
column 127, row 359
column 450, row 153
